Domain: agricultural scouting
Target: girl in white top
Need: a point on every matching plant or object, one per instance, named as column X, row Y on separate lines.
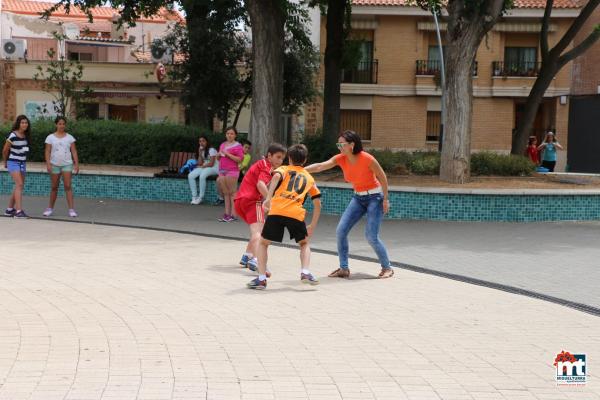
column 207, row 166
column 61, row 160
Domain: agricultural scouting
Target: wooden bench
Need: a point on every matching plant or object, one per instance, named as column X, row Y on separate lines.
column 176, row 160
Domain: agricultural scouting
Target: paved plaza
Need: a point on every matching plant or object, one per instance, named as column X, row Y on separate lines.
column 559, row 260
column 101, row 312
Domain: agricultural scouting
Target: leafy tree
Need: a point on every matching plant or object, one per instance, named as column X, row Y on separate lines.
column 301, row 63
column 212, row 87
column 214, row 48
column 131, row 10
column 212, row 44
column 552, row 62
column 268, row 20
column 61, row 78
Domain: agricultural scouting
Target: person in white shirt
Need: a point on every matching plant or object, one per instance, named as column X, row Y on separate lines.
column 207, row 166
column 61, row 161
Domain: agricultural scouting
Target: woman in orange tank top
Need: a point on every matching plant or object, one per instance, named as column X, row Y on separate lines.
column 370, row 197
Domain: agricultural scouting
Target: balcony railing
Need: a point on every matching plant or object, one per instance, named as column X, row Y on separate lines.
column 522, row 68
column 365, row 72
column 433, row 67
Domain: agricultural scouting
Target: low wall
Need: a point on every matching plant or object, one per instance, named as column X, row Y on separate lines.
column 406, row 203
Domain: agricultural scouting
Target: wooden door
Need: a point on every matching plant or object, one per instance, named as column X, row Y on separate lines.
column 123, row 113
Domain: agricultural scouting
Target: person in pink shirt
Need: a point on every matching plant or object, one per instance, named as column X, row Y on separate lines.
column 230, row 154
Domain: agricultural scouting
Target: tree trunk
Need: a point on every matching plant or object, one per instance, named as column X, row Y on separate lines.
column 267, row 18
column 467, row 26
column 535, row 98
column 336, row 10
column 456, row 149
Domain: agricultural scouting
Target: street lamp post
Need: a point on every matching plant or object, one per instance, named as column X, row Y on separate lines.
column 443, row 78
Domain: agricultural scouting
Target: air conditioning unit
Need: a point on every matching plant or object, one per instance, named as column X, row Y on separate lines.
column 160, row 53
column 14, row 49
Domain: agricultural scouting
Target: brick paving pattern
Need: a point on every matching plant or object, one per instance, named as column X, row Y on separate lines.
column 95, row 312
column 556, row 259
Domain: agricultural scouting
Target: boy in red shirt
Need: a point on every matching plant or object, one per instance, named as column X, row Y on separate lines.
column 249, row 198
column 288, row 190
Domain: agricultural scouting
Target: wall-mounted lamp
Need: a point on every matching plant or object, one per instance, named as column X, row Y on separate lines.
column 563, row 100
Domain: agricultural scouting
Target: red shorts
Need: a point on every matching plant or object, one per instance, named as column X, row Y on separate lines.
column 250, row 211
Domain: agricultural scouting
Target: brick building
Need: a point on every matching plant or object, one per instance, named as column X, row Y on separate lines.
column 586, row 68
column 393, row 100
column 114, row 61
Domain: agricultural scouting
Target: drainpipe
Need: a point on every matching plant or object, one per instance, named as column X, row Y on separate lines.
column 443, row 76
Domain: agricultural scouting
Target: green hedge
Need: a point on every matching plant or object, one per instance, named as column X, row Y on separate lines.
column 319, row 149
column 396, row 162
column 488, row 163
column 121, row 143
column 428, row 163
column 424, row 163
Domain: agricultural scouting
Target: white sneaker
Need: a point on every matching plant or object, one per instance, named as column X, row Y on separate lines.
column 195, row 200
column 48, row 212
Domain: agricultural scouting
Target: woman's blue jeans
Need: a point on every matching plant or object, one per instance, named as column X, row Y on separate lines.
column 372, row 205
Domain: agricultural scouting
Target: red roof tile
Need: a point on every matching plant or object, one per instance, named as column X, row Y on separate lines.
column 542, row 4
column 84, row 24
column 29, row 7
column 518, row 3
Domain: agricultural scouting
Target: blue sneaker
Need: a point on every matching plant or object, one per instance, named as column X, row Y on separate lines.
column 252, row 264
column 244, row 260
column 309, row 278
column 10, row 212
column 257, row 284
column 21, row 215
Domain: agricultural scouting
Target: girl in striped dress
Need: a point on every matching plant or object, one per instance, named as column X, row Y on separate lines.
column 14, row 153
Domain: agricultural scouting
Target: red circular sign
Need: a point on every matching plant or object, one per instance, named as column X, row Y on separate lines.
column 160, row 72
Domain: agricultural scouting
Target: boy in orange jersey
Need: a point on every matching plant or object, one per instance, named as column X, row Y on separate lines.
column 287, row 192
